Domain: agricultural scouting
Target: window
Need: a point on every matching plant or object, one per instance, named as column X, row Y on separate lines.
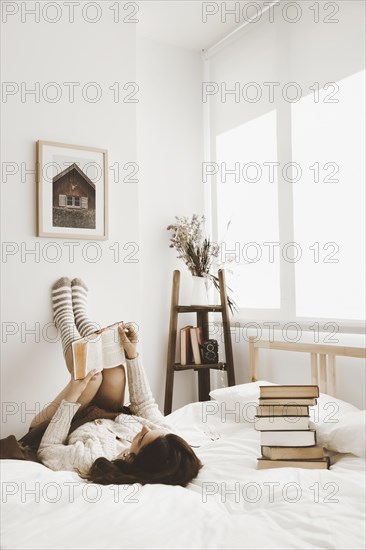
column 286, row 127
column 73, row 201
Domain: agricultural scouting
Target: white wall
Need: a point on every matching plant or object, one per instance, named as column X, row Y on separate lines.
column 169, row 130
column 170, row 155
column 169, row 125
column 104, row 52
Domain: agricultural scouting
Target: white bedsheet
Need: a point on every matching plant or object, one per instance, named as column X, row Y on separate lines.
column 229, row 505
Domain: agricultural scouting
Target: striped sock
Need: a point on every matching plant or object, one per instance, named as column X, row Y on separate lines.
column 79, row 301
column 63, row 313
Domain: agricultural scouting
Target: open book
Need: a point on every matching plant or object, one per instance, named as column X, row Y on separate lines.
column 101, row 350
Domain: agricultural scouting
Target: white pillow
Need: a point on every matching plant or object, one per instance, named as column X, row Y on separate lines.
column 243, row 393
column 346, row 436
column 329, row 409
column 241, row 400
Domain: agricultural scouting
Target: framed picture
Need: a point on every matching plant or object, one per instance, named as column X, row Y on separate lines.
column 72, row 191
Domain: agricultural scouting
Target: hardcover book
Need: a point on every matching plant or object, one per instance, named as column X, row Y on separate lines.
column 288, row 401
column 186, row 355
column 282, row 410
column 293, row 392
column 281, row 423
column 101, row 350
column 322, row 464
column 292, row 453
column 288, row 438
column 196, row 341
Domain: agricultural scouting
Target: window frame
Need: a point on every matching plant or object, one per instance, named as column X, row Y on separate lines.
column 73, row 205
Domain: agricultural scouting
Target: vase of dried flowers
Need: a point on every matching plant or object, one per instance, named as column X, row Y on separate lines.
column 200, row 255
column 199, row 295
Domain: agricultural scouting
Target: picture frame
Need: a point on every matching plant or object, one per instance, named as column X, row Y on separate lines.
column 72, row 191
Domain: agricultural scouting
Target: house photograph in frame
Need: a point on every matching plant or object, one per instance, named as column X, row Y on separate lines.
column 72, row 191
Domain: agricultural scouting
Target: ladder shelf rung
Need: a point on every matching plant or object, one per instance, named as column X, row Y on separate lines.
column 195, row 309
column 219, row 366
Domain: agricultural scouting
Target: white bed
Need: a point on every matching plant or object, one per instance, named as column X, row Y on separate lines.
column 279, row 508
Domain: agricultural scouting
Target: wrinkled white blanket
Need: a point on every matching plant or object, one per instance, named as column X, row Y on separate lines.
column 230, row 504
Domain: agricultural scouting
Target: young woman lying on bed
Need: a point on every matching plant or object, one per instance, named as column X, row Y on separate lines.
column 121, row 449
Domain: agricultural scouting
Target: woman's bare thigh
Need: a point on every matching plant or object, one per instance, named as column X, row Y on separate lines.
column 111, row 393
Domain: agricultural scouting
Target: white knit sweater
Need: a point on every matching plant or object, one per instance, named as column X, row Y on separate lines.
column 102, row 437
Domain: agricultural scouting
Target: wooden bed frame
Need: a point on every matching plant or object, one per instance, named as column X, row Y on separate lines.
column 321, row 357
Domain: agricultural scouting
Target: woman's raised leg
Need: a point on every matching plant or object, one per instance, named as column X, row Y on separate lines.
column 86, row 398
column 64, row 320
column 63, row 313
column 107, row 390
column 111, row 393
column 79, row 292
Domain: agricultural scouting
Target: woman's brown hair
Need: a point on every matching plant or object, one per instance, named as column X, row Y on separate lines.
column 168, row 459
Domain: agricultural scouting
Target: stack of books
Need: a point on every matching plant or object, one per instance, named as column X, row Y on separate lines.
column 287, row 441
column 190, row 345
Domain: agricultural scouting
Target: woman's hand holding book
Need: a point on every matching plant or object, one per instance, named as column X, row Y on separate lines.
column 129, row 339
column 76, row 387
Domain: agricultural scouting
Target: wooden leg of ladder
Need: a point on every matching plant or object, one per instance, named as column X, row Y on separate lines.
column 204, row 385
column 172, row 344
column 229, row 359
column 169, row 391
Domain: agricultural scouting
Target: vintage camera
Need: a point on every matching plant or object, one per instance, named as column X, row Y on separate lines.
column 210, row 351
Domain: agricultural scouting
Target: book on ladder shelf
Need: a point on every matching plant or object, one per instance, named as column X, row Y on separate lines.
column 191, row 340
column 187, row 342
column 287, row 441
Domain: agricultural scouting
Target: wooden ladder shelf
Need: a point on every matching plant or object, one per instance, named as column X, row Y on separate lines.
column 202, row 313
